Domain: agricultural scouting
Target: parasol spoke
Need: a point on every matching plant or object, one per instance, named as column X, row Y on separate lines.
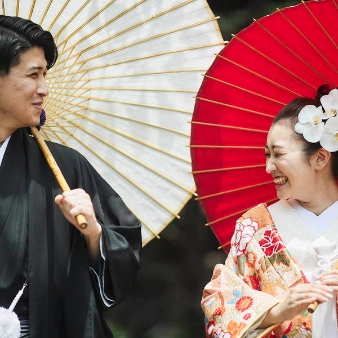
column 71, row 122
column 315, row 49
column 243, row 89
column 278, row 64
column 221, row 193
column 227, row 126
column 300, row 59
column 105, row 53
column 260, row 76
column 231, row 106
column 196, row 172
column 238, row 213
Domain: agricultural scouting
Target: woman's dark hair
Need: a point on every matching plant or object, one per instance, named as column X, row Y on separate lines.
column 290, row 113
column 17, row 35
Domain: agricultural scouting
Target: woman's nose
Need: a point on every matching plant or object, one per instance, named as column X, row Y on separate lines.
column 270, row 166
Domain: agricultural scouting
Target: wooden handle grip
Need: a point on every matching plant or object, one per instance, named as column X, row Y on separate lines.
column 81, row 220
column 312, row 307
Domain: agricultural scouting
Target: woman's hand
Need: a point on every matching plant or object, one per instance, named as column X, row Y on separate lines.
column 330, row 278
column 297, row 301
column 73, row 203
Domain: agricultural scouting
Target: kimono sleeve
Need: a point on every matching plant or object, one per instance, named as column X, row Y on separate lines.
column 232, row 306
column 121, row 240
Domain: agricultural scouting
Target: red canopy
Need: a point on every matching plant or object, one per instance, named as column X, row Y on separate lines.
column 279, row 57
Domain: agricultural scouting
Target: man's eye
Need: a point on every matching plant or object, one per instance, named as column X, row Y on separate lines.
column 267, row 155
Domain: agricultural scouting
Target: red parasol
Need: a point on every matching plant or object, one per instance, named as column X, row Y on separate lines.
column 279, row 57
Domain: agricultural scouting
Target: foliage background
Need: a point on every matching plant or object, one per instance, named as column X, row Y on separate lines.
column 174, row 270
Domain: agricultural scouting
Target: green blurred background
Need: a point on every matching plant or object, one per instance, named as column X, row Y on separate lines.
column 165, row 301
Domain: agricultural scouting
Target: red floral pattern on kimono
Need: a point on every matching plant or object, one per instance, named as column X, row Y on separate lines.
column 255, row 277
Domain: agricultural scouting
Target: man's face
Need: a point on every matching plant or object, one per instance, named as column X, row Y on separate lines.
column 22, row 91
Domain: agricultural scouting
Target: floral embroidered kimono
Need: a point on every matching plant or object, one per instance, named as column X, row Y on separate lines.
column 233, row 301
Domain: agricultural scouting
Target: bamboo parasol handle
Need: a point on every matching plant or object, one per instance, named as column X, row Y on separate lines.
column 81, row 220
column 312, row 307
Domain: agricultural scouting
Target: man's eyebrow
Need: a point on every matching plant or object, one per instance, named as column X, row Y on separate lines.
column 36, row 68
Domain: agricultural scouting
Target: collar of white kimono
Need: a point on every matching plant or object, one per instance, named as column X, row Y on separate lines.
column 3, row 148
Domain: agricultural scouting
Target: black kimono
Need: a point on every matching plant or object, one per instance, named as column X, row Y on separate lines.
column 38, row 244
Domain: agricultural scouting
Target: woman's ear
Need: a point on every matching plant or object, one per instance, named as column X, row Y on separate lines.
column 321, row 158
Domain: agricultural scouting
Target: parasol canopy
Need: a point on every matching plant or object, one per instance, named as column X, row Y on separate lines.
column 279, row 57
column 122, row 92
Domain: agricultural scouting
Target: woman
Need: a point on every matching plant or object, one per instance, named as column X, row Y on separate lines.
column 72, row 274
column 281, row 255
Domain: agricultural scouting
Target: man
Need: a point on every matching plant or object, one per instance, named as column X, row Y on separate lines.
column 72, row 274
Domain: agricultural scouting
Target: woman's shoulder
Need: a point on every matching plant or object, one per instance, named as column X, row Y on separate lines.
column 257, row 213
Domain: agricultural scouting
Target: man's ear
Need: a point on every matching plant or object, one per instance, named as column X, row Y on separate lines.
column 322, row 158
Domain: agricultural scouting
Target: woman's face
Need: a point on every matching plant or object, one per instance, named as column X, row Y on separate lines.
column 22, row 91
column 291, row 170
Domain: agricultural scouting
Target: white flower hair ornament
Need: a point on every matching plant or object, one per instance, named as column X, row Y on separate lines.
column 320, row 123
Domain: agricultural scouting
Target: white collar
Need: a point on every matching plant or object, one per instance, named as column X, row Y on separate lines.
column 3, row 148
column 317, row 224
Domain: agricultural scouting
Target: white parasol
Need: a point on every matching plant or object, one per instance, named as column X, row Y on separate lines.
column 122, row 92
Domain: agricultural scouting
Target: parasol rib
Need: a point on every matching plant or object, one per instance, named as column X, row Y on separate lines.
column 223, row 147
column 274, row 62
column 59, row 14
column 70, row 20
column 292, row 52
column 137, row 161
column 31, row 10
column 258, row 75
column 86, row 23
column 114, row 115
column 152, row 18
column 231, row 127
column 45, row 12
column 234, row 214
column 146, row 40
column 87, row 98
column 122, row 134
column 17, row 8
column 127, row 178
column 196, row 172
column 232, row 106
column 310, row 43
column 243, row 89
column 133, row 182
column 231, row 191
column 140, row 58
column 165, row 90
column 320, row 25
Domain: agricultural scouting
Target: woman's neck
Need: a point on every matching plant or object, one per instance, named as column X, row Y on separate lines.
column 320, row 204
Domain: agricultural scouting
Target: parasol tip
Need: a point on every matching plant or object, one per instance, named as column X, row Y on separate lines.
column 43, row 118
